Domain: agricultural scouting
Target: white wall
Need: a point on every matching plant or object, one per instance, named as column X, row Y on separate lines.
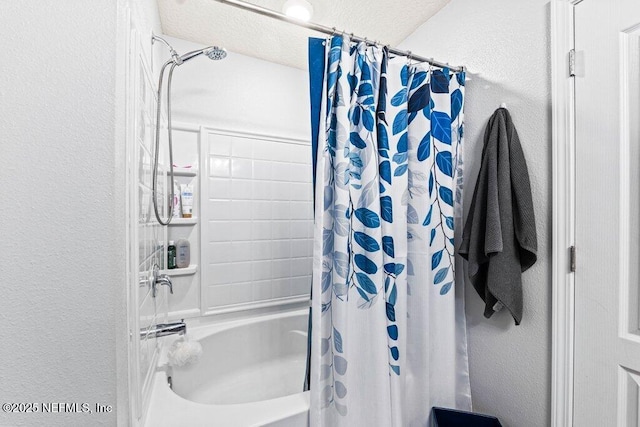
column 241, row 93
column 506, row 48
column 62, row 265
column 240, row 264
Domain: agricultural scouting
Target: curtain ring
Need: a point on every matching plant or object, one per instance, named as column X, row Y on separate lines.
column 333, row 33
column 409, row 57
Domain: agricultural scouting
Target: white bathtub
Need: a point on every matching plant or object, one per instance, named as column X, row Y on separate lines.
column 251, row 373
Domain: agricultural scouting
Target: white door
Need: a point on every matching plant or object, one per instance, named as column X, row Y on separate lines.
column 607, row 322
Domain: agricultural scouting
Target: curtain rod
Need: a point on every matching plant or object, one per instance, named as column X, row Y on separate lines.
column 330, row 31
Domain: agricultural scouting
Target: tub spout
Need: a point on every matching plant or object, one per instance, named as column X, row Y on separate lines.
column 164, row 329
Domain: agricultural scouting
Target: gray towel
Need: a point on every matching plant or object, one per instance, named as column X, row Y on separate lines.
column 499, row 238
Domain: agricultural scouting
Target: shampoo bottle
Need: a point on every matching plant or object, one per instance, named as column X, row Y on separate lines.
column 171, row 255
column 183, row 253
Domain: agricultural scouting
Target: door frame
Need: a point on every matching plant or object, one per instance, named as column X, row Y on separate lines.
column 563, row 212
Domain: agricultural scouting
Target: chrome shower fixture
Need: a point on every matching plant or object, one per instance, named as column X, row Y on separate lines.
column 173, row 52
column 214, row 53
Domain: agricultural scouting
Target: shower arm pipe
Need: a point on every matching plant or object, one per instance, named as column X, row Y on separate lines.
column 174, row 54
column 332, row 31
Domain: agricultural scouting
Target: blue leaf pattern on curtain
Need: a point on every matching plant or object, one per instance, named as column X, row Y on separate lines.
column 389, row 167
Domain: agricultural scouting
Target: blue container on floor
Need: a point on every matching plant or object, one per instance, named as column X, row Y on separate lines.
column 443, row 417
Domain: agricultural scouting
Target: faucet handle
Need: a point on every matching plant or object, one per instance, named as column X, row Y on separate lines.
column 160, row 278
column 166, row 280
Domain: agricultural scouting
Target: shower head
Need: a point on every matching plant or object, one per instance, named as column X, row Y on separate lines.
column 216, row 53
column 213, row 52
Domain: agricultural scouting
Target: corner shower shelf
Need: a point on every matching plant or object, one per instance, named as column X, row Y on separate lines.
column 188, row 271
column 185, row 172
column 184, row 221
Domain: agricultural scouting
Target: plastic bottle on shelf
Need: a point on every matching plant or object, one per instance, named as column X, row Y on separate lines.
column 186, row 200
column 183, row 253
column 177, row 207
column 171, row 255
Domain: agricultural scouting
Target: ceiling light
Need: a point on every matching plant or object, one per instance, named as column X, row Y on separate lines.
column 298, row 9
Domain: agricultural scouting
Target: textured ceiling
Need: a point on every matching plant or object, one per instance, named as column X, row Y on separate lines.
column 212, row 23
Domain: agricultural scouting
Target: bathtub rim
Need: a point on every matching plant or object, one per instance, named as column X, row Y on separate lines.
column 202, row 330
column 166, row 406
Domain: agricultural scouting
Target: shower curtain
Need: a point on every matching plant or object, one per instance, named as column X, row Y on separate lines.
column 388, row 333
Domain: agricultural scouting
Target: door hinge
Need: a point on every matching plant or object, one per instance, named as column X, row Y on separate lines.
column 572, row 259
column 572, row 63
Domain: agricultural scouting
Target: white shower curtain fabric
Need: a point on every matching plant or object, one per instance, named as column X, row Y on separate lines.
column 388, row 337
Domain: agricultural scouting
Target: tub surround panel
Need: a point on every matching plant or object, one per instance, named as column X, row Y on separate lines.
column 185, row 300
column 252, row 241
column 147, row 235
column 258, row 220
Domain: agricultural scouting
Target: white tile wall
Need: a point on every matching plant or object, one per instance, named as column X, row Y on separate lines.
column 259, row 223
column 149, row 234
